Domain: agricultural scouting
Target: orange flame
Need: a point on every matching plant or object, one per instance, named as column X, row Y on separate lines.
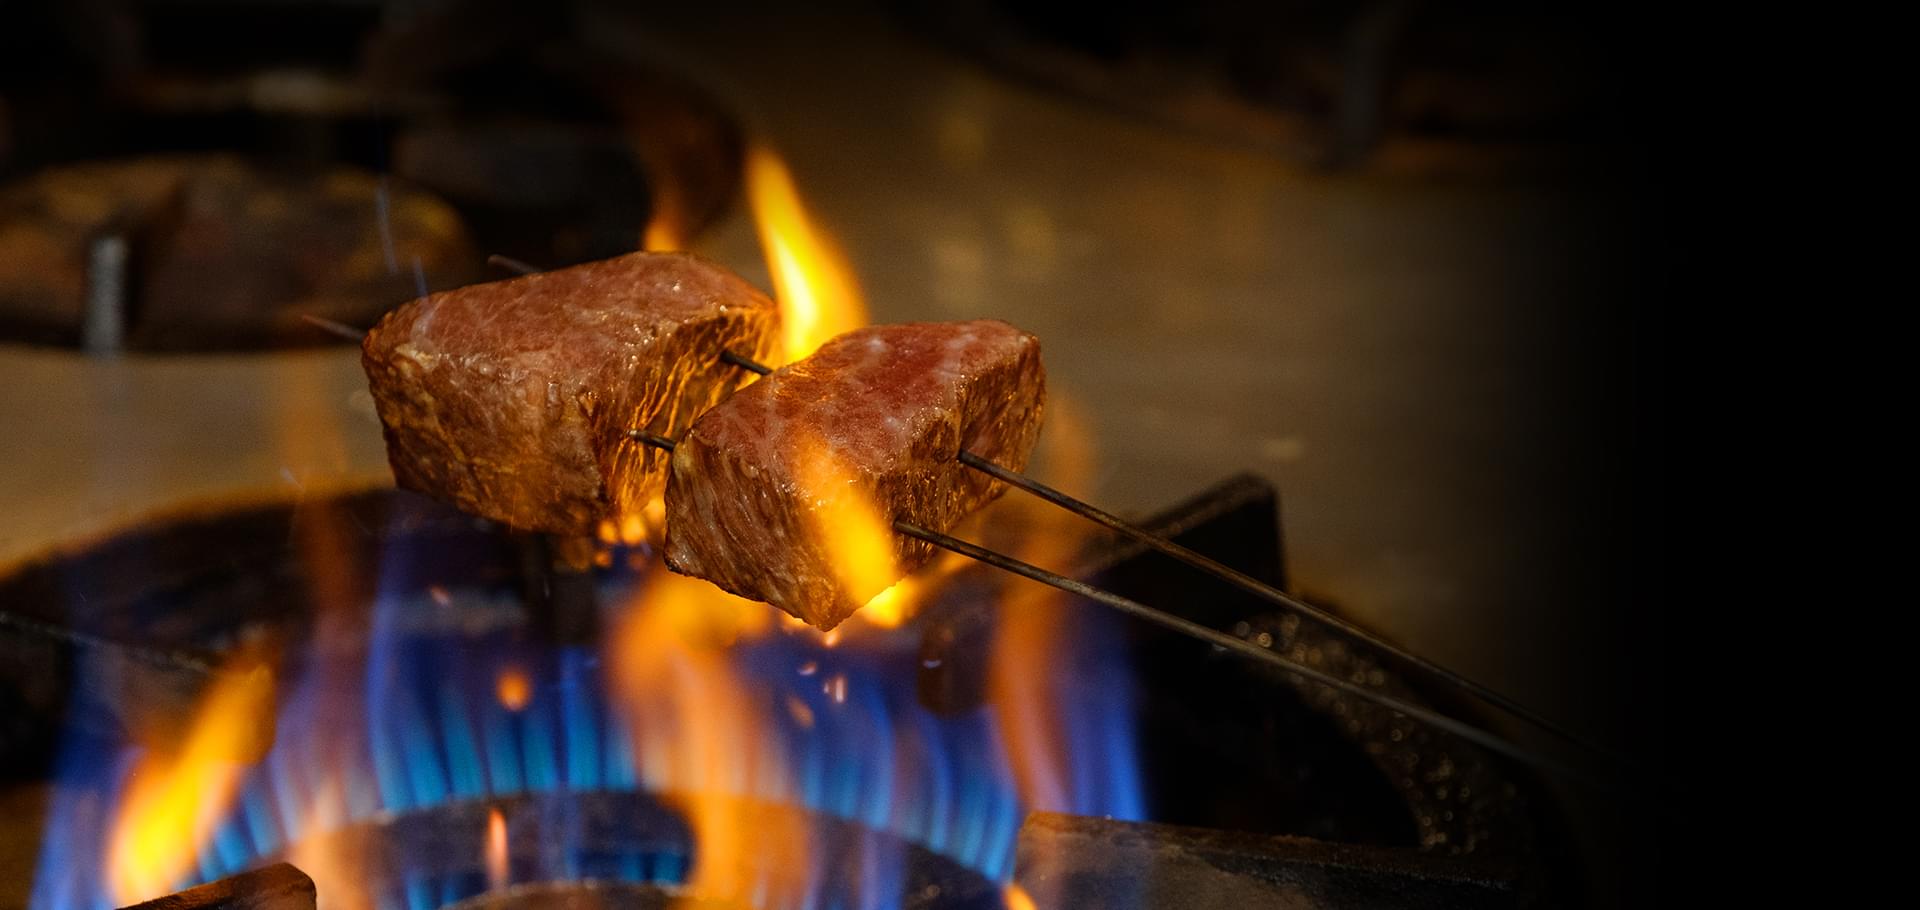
column 1018, row 899
column 1031, row 622
column 514, row 689
column 663, row 233
column 700, row 735
column 845, row 521
column 630, row 529
column 891, row 608
column 496, row 850
column 173, row 801
column 819, row 297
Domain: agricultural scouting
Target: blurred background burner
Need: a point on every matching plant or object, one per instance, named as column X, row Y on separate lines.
column 164, row 187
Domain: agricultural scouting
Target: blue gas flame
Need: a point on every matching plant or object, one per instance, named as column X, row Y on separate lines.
column 410, row 721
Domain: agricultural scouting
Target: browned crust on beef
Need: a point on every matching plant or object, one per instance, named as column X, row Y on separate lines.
column 894, row 405
column 512, row 400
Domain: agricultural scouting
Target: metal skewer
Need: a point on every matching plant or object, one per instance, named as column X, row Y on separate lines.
column 745, row 364
column 511, row 264
column 1213, row 637
column 340, row 329
column 652, row 439
column 1247, row 583
column 350, row 333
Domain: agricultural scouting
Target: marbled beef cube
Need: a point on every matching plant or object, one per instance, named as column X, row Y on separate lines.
column 759, row 490
column 512, row 400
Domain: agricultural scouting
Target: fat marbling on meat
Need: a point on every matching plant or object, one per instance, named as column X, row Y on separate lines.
column 512, row 400
column 886, row 409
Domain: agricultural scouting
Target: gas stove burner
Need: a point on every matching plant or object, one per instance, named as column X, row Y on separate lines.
column 206, row 200
column 390, row 580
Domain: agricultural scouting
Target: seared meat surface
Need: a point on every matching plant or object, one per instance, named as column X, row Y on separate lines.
column 512, row 400
column 772, row 491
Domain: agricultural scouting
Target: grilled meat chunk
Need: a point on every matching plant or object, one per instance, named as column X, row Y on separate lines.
column 512, row 400
column 786, row 492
